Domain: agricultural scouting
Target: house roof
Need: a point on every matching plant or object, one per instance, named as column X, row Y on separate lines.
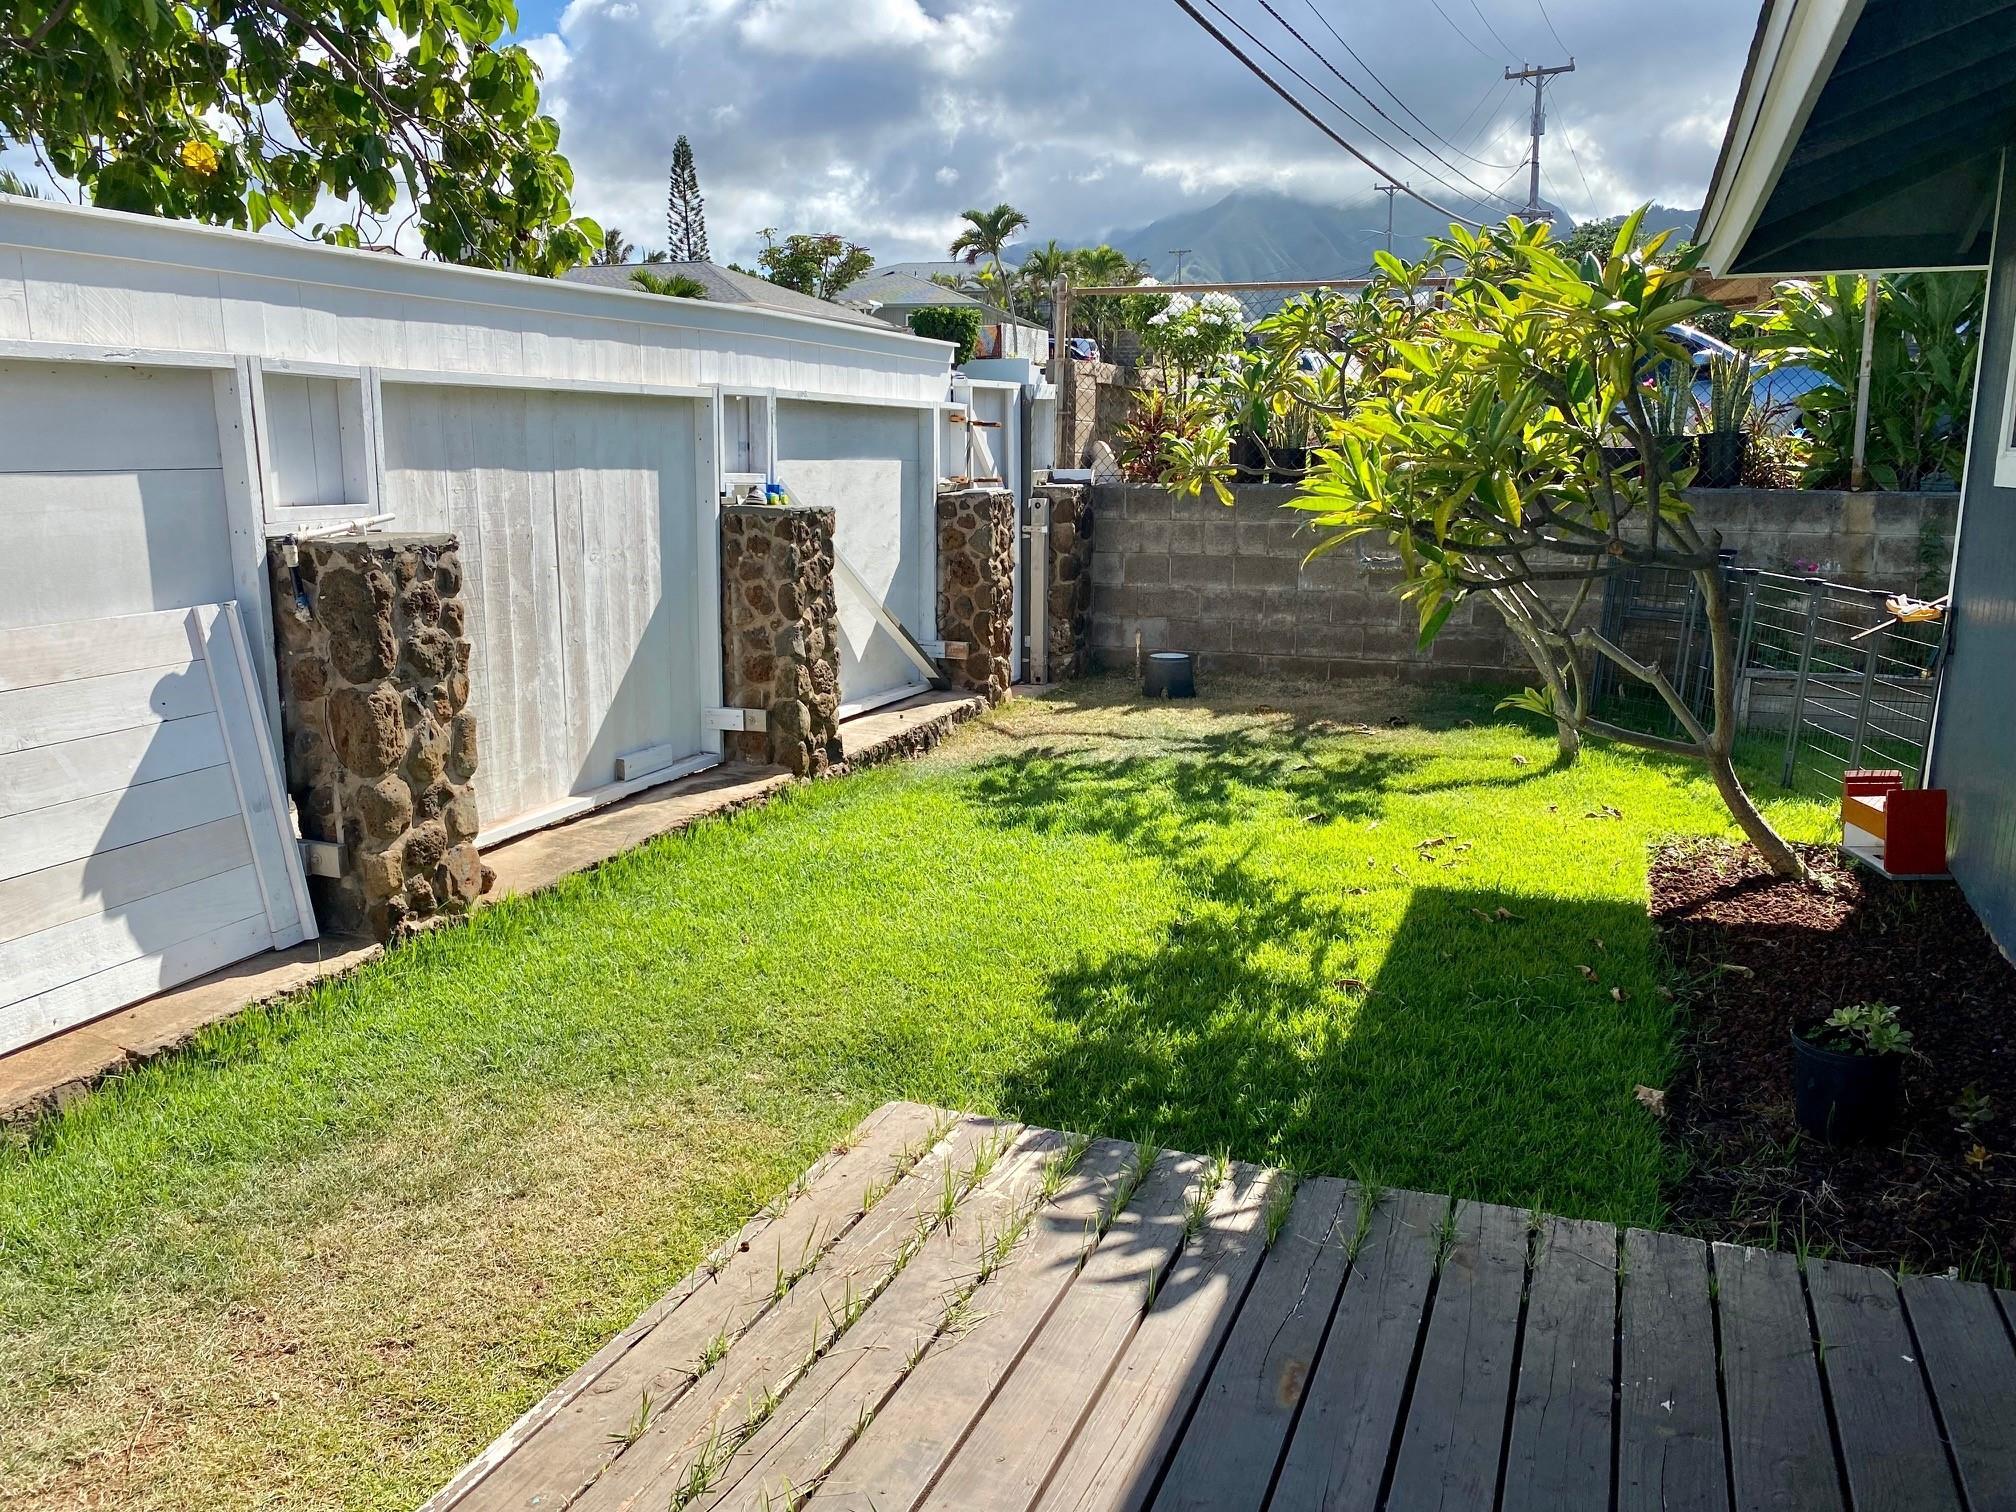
column 1866, row 135
column 724, row 286
column 890, row 287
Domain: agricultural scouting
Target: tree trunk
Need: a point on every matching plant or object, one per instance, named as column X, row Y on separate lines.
column 1779, row 856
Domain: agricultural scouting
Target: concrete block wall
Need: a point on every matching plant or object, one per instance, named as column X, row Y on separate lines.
column 1230, row 582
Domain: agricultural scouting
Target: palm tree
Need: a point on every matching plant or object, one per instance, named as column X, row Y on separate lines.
column 657, row 255
column 986, row 233
column 1041, row 269
column 677, row 285
column 614, row 250
column 12, row 183
column 1103, row 266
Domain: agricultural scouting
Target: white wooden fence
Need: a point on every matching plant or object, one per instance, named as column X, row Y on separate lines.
column 173, row 396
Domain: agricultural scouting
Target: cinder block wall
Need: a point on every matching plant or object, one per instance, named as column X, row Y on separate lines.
column 1230, row 582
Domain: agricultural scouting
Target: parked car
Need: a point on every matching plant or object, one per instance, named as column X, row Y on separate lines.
column 1774, row 392
column 1083, row 349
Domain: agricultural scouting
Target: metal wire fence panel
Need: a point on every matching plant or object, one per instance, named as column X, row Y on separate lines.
column 1823, row 666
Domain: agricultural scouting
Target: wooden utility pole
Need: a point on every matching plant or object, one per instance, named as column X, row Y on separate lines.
column 1389, row 190
column 1538, row 78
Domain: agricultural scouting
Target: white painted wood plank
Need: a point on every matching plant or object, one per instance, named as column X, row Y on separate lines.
column 13, row 297
column 53, row 712
column 50, row 958
column 83, row 545
column 243, row 483
column 105, row 417
column 69, row 831
column 35, row 654
column 73, row 769
column 275, row 853
column 114, row 878
column 36, row 1018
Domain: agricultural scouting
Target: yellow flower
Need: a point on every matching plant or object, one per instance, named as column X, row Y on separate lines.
column 199, row 157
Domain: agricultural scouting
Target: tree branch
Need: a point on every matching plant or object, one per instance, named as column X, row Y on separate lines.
column 1657, row 679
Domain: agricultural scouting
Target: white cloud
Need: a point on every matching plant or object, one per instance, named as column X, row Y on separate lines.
column 882, row 119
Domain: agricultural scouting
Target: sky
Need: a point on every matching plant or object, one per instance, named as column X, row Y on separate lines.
column 882, row 120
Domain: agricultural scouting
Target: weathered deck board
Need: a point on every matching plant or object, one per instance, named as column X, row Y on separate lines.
column 832, row 1403
column 1133, row 1426
column 988, row 1324
column 1560, row 1448
column 1972, row 1367
column 1455, row 1431
column 1889, row 1439
column 1781, row 1450
column 911, row 1440
column 1251, row 1398
column 560, row 1446
column 670, row 1457
column 1337, row 1458
column 1671, row 1456
column 1019, row 1437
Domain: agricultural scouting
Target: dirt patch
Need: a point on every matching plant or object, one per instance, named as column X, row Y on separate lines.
column 1764, row 955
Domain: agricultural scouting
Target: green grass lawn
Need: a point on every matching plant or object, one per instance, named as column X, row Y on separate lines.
column 325, row 1254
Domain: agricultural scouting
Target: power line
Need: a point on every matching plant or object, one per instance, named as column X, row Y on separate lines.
column 1459, row 30
column 1309, row 115
column 1550, row 26
column 1388, row 89
column 1330, row 100
column 1267, row 6
column 1492, row 29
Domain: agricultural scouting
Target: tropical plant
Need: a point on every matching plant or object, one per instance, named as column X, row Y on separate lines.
column 657, row 255
column 1927, row 340
column 615, row 249
column 677, row 285
column 1671, row 393
column 246, row 112
column 820, row 265
column 1478, row 455
column 1732, row 382
column 685, row 210
column 12, row 183
column 1038, row 274
column 958, row 324
column 987, row 234
column 1161, row 432
column 1104, row 316
column 1186, row 337
column 1864, row 1029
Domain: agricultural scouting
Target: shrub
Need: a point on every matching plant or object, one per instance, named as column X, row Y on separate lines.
column 958, row 324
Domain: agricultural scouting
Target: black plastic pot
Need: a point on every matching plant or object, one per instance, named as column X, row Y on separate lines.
column 1844, row 1098
column 1721, row 455
column 1170, row 674
column 1621, row 457
column 1249, row 458
column 1291, row 464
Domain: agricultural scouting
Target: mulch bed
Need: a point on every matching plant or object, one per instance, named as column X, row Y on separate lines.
column 1762, row 955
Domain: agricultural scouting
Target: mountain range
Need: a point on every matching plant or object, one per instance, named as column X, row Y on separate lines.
column 1254, row 234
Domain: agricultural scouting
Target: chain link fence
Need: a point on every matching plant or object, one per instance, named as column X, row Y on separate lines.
column 1823, row 668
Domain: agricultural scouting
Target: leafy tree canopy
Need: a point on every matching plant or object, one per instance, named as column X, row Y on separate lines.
column 245, row 112
column 820, row 265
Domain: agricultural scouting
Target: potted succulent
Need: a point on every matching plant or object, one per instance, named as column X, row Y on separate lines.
column 1720, row 448
column 1848, row 1072
column 1672, row 406
column 1288, row 442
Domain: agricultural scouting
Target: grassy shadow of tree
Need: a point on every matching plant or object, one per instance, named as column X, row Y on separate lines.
column 1477, row 1060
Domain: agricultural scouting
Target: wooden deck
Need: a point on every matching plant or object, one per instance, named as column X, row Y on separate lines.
column 968, row 1314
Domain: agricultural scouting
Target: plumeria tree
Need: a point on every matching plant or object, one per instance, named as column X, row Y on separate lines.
column 1477, row 451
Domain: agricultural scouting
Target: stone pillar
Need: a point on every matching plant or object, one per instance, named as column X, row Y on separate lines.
column 780, row 633
column 380, row 743
column 976, row 586
column 1070, row 578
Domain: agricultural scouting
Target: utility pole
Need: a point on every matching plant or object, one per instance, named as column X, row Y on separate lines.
column 1538, row 78
column 1179, row 253
column 1389, row 190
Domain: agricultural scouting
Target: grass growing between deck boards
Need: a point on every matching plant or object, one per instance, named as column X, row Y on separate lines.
column 332, row 1249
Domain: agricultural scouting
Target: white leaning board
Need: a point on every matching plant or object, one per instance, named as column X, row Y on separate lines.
column 144, row 834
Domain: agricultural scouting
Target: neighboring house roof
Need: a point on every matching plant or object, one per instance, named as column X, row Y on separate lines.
column 904, row 289
column 724, row 286
column 953, row 266
column 1866, row 135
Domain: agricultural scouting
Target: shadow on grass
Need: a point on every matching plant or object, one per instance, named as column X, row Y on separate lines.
column 1477, row 1060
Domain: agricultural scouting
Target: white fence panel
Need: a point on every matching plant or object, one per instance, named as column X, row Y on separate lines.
column 869, row 465
column 579, row 519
